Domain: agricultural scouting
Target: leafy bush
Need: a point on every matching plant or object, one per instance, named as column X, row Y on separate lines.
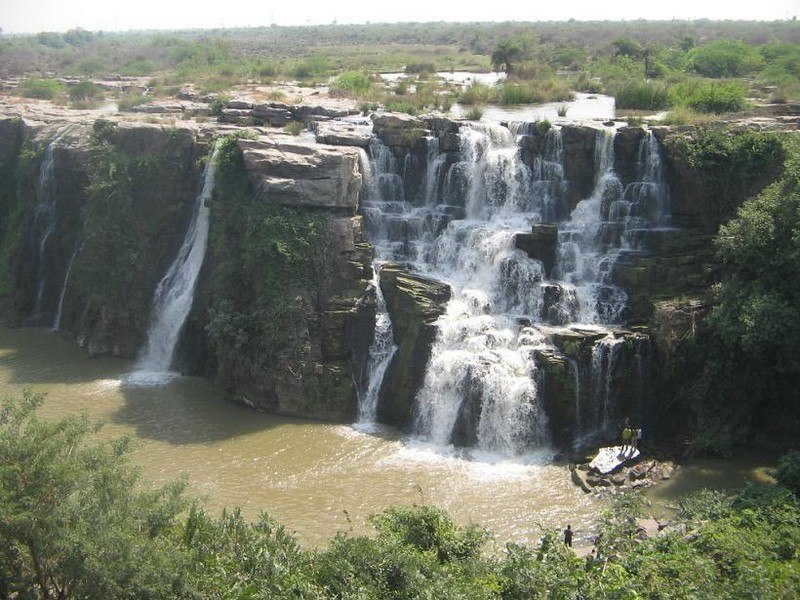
column 314, row 66
column 532, row 92
column 139, row 67
column 43, row 89
column 477, row 93
column 76, row 521
column 725, row 58
column 641, row 94
column 430, row 529
column 85, row 90
column 711, row 97
column 402, row 106
column 128, row 101
column 515, row 93
column 475, row 113
column 420, row 67
column 788, row 472
column 295, row 128
column 355, row 82
column 73, row 519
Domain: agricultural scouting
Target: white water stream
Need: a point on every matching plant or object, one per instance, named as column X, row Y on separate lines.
column 480, row 387
column 174, row 294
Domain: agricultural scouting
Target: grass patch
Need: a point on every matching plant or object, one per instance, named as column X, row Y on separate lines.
column 43, row 89
column 477, row 93
column 474, row 114
column 642, row 95
column 352, row 82
column 129, row 101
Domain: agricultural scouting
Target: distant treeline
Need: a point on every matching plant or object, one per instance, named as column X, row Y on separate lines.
column 80, row 51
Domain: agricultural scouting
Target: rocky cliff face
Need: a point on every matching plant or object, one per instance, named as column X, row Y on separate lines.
column 94, row 214
column 286, row 299
column 587, row 379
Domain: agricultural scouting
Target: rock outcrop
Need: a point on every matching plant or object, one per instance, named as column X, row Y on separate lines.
column 121, row 233
column 295, row 174
column 414, row 303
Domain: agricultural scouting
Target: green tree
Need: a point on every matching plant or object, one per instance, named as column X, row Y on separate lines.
column 505, row 54
column 725, row 58
column 74, row 520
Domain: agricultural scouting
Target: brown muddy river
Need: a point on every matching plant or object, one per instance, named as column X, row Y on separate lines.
column 304, row 473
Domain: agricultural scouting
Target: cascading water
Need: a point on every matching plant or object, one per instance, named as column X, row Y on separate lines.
column 480, row 386
column 44, row 218
column 589, row 243
column 60, row 309
column 380, row 354
column 174, row 294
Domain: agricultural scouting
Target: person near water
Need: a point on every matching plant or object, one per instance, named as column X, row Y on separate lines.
column 627, row 438
column 637, row 436
column 568, row 536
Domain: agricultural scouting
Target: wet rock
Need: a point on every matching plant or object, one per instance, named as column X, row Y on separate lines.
column 414, row 303
column 580, row 479
column 627, row 142
column 557, row 387
column 396, row 121
column 675, row 320
column 398, row 129
column 559, row 304
column 579, row 148
column 540, row 244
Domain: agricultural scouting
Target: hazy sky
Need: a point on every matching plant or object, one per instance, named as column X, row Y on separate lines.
column 22, row 16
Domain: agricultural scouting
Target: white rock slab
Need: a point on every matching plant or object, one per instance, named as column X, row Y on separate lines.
column 611, row 457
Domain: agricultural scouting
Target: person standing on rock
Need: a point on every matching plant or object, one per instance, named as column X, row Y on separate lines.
column 627, row 439
column 637, row 436
column 568, row 536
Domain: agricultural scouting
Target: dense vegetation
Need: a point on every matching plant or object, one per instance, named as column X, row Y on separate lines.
column 740, row 375
column 77, row 521
column 267, row 259
column 12, row 205
column 700, row 66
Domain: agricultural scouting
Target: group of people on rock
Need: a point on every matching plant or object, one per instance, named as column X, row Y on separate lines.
column 630, row 438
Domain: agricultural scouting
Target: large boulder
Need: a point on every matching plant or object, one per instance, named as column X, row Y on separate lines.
column 398, row 129
column 338, row 133
column 414, row 304
column 295, row 174
column 579, row 147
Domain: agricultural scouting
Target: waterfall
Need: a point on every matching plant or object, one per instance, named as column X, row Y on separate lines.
column 174, row 294
column 479, row 388
column 381, row 352
column 589, row 242
column 59, row 310
column 44, row 218
column 459, row 223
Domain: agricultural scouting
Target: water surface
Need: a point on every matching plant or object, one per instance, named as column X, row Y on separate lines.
column 304, row 473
